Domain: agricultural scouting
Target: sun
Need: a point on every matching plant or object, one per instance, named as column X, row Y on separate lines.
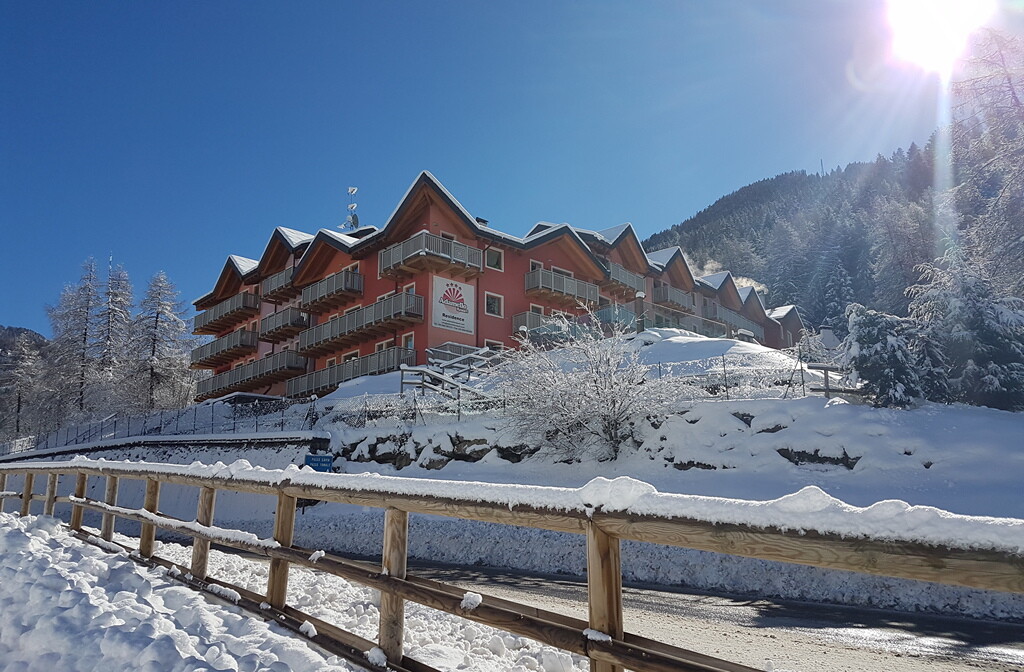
column 932, row 34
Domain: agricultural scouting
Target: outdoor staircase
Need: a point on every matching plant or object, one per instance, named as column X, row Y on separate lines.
column 449, row 370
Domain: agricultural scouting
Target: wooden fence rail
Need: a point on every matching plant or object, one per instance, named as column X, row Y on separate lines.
column 620, row 650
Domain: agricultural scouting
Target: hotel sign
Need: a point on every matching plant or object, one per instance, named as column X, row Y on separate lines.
column 453, row 307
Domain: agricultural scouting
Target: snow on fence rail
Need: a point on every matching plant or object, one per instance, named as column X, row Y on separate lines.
column 809, row 528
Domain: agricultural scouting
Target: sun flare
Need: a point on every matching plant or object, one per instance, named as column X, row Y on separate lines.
column 932, row 34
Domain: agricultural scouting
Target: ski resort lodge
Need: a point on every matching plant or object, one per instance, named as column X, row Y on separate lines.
column 316, row 311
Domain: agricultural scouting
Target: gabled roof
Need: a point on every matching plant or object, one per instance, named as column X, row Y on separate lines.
column 317, row 254
column 725, row 286
column 716, row 280
column 283, row 243
column 670, row 258
column 752, row 302
column 231, row 278
column 781, row 311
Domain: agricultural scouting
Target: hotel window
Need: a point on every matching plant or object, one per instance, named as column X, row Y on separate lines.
column 447, row 236
column 409, row 341
column 494, row 345
column 561, row 271
column 351, row 309
column 354, row 268
column 536, row 310
column 494, row 304
column 410, row 288
column 494, row 259
column 349, row 356
column 332, row 361
column 384, row 296
column 535, row 265
column 384, row 345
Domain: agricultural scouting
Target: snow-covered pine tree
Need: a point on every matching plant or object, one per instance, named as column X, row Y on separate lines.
column 71, row 353
column 161, row 343
column 113, row 341
column 877, row 353
column 838, row 295
column 25, row 385
column 981, row 333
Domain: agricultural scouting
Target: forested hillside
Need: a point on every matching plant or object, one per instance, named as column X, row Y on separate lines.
column 823, row 241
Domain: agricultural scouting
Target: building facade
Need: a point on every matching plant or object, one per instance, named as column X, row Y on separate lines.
column 316, row 310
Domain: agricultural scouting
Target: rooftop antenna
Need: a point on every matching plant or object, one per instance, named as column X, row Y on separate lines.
column 352, row 220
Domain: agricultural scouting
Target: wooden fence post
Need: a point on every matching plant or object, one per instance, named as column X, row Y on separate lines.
column 3, row 488
column 284, row 531
column 604, row 585
column 76, row 509
column 201, row 547
column 26, row 494
column 51, row 494
column 391, row 630
column 107, row 526
column 148, row 533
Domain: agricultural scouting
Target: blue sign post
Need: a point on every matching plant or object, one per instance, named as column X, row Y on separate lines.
column 320, row 462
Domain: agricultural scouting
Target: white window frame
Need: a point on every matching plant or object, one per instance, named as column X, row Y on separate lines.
column 349, row 356
column 351, row 309
column 377, row 346
column 447, row 236
column 331, row 361
column 387, row 295
column 536, row 305
column 354, row 267
column 490, row 343
column 540, row 265
column 563, row 271
column 411, row 335
column 409, row 289
column 497, row 296
column 501, row 256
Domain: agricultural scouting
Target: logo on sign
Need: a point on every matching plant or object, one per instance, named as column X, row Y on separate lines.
column 453, row 298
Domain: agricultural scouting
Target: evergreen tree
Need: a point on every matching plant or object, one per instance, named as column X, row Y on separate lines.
column 72, row 350
column 162, row 343
column 113, row 341
column 25, row 385
column 982, row 334
column 878, row 354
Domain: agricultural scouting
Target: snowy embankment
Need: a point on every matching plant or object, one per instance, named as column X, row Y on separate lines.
column 67, row 605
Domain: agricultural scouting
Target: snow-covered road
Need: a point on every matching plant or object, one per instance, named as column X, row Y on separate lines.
column 769, row 634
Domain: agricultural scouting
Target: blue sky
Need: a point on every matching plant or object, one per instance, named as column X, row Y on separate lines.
column 170, row 135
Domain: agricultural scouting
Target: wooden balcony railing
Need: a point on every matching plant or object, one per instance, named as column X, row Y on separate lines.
column 283, row 324
column 380, row 317
column 224, row 349
column 560, row 287
column 268, row 370
column 226, row 313
column 426, row 252
column 333, row 291
column 327, row 380
column 278, row 287
column 675, row 522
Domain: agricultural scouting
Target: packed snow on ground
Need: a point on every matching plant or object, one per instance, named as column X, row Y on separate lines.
column 67, row 605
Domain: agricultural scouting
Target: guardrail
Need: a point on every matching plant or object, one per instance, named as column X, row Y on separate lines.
column 213, row 320
column 427, row 244
column 602, row 638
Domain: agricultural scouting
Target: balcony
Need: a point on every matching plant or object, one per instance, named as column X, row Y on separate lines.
column 737, row 321
column 529, row 321
column 622, row 282
column 378, row 318
column 227, row 313
column 616, row 315
column 333, row 291
column 670, row 296
column 326, row 380
column 556, row 287
column 283, row 324
column 224, row 349
column 674, row 319
column 427, row 252
column 278, row 288
column 251, row 377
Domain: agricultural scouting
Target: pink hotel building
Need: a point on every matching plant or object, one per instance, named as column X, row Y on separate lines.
column 317, row 310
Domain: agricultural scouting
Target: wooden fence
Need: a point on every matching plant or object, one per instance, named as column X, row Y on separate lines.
column 604, row 531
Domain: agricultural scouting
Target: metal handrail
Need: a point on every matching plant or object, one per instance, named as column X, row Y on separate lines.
column 236, row 339
column 622, row 275
column 427, row 243
column 668, row 294
column 237, row 302
column 542, row 278
column 734, row 319
column 400, row 304
column 332, row 376
column 248, row 372
column 335, row 283
column 289, row 317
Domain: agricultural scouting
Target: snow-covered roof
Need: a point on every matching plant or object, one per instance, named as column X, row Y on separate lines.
column 340, row 237
column 294, row 238
column 612, row 233
column 664, row 256
column 780, row 312
column 243, row 264
column 715, row 280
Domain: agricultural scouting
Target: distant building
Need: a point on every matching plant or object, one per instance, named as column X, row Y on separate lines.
column 317, row 310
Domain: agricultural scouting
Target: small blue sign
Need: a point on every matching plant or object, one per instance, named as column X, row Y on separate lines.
column 320, row 462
